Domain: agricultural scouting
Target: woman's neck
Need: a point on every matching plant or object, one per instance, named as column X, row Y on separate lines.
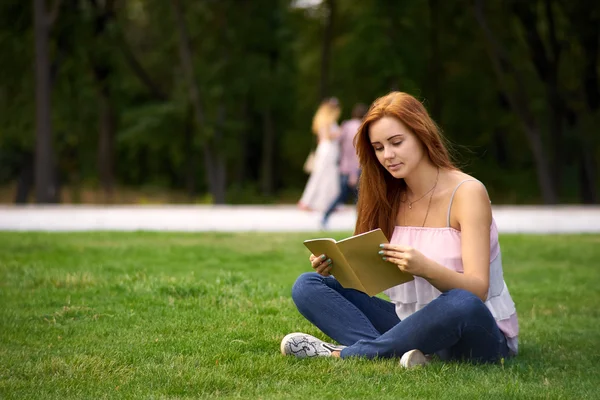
column 421, row 179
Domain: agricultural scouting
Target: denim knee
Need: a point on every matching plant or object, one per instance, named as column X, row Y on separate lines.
column 305, row 286
column 465, row 302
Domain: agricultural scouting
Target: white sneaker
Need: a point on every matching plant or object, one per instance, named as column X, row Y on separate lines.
column 413, row 358
column 303, row 345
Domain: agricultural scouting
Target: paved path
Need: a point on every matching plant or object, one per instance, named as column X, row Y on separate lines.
column 279, row 218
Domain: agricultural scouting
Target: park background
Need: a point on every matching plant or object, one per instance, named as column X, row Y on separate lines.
column 186, row 123
column 106, row 101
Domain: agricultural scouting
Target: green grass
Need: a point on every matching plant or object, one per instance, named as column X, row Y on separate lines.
column 176, row 316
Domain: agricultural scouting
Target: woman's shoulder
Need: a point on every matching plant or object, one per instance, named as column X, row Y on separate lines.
column 458, row 181
column 470, row 198
column 465, row 186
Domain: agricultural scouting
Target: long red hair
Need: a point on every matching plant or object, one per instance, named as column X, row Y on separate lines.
column 379, row 192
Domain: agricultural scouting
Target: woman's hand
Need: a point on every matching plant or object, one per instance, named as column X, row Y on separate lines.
column 322, row 265
column 406, row 258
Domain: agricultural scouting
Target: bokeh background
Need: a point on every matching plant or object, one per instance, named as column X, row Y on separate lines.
column 211, row 101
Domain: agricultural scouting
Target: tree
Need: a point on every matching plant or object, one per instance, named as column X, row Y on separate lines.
column 585, row 28
column 213, row 160
column 235, row 109
column 328, row 32
column 46, row 190
column 102, row 70
column 520, row 105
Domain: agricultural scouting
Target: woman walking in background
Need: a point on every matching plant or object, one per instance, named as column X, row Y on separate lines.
column 441, row 230
column 322, row 187
column 349, row 168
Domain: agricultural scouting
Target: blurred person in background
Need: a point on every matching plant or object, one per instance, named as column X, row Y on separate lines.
column 349, row 167
column 323, row 183
column 441, row 230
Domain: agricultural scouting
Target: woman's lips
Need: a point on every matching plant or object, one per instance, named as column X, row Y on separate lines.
column 395, row 167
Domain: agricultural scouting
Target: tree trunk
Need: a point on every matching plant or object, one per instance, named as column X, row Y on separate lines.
column 103, row 70
column 218, row 169
column 267, row 173
column 26, row 179
column 268, row 148
column 544, row 176
column 185, row 54
column 589, row 32
column 106, row 144
column 326, row 49
column 190, row 159
column 215, row 166
column 435, row 62
column 242, row 167
column 588, row 193
column 519, row 104
column 46, row 190
column 213, row 160
column 546, row 63
column 212, row 175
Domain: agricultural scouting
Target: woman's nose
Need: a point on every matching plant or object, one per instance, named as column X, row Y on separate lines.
column 387, row 152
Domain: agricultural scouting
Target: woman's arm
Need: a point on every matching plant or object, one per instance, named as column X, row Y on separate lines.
column 329, row 132
column 334, row 131
column 323, row 133
column 472, row 211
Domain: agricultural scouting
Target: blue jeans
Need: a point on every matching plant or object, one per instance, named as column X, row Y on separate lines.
column 345, row 190
column 455, row 326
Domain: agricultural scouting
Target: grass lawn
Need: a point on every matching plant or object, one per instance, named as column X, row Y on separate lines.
column 174, row 316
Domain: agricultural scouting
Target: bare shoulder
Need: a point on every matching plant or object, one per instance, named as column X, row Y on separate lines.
column 472, row 189
column 471, row 201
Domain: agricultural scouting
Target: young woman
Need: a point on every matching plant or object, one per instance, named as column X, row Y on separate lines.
column 349, row 168
column 323, row 184
column 441, row 230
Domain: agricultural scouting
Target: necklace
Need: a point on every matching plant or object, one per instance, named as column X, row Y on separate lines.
column 410, row 203
column 432, row 190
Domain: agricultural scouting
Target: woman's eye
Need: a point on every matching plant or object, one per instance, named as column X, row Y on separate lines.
column 378, row 148
column 397, row 143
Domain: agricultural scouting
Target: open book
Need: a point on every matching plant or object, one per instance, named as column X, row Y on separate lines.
column 357, row 264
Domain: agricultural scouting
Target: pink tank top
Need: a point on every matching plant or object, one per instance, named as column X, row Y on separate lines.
column 443, row 245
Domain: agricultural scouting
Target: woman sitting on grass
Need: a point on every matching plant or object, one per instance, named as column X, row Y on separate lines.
column 442, row 231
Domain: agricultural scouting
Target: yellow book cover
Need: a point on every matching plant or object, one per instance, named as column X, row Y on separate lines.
column 357, row 263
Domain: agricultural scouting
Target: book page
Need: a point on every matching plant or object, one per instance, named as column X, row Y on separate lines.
column 340, row 269
column 376, row 275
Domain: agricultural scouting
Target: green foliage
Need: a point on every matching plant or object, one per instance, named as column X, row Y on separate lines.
column 17, row 112
column 259, row 61
column 201, row 315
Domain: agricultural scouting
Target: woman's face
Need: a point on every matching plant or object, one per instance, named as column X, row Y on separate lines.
column 396, row 147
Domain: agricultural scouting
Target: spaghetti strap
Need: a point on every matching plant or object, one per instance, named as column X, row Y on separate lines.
column 452, row 198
